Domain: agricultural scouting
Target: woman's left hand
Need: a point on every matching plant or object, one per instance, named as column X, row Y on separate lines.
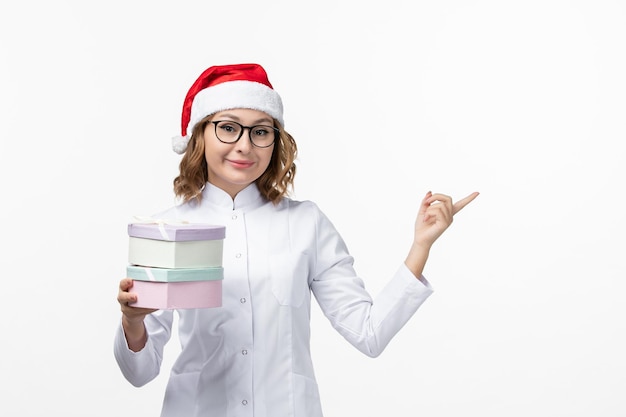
column 435, row 216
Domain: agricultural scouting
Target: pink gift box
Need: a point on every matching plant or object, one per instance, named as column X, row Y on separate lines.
column 173, row 295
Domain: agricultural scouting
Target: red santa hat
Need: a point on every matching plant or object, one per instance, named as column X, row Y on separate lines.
column 224, row 87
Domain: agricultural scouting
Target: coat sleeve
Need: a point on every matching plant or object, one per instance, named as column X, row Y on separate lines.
column 141, row 367
column 367, row 323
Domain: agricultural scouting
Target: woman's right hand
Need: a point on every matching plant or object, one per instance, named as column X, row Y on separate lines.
column 132, row 317
column 125, row 297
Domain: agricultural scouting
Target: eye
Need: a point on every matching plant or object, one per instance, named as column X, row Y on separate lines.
column 228, row 127
column 261, row 131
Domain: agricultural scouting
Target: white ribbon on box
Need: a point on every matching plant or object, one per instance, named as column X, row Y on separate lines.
column 160, row 222
column 150, row 275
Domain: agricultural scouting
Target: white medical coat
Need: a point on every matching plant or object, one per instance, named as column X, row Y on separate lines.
column 251, row 357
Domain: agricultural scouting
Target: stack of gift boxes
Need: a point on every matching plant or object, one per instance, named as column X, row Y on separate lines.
column 176, row 265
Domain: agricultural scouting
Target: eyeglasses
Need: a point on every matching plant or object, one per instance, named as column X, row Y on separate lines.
column 261, row 136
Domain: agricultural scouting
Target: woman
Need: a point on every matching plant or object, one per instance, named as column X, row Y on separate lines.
column 252, row 356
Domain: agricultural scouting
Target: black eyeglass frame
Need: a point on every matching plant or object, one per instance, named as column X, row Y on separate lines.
column 243, row 128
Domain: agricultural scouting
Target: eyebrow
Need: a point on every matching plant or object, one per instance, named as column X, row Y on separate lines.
column 256, row 122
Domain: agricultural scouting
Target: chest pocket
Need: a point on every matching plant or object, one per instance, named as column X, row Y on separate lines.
column 291, row 240
column 289, row 273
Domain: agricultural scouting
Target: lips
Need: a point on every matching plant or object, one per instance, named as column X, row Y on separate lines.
column 240, row 163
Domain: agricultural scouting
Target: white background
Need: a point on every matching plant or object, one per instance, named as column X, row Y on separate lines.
column 522, row 101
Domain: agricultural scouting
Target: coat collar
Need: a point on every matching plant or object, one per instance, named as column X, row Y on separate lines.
column 247, row 199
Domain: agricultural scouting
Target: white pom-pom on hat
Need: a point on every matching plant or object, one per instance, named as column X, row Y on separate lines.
column 227, row 87
column 179, row 144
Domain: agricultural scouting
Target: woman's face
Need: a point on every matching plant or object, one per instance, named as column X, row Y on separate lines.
column 234, row 166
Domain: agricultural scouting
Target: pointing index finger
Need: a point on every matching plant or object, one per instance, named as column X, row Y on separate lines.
column 464, row 202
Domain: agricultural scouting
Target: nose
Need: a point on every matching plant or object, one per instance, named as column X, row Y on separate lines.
column 244, row 144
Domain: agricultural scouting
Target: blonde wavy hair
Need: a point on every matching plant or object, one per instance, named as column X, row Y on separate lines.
column 274, row 184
